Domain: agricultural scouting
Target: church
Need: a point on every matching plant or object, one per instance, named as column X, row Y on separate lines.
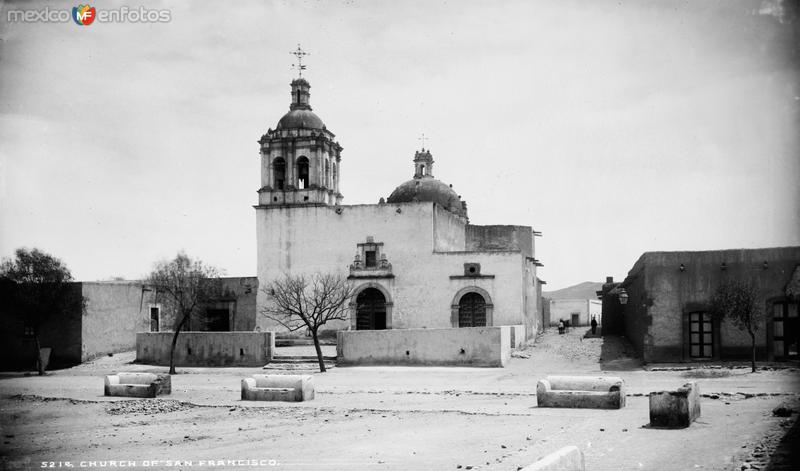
column 414, row 260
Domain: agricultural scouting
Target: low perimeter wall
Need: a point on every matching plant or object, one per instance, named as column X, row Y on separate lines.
column 206, row 348
column 466, row 346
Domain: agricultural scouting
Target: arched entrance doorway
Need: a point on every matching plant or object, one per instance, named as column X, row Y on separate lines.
column 472, row 310
column 370, row 310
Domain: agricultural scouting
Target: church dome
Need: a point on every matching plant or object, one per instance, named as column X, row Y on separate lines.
column 423, row 187
column 300, row 118
column 426, row 189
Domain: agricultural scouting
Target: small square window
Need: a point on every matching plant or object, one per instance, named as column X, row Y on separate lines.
column 371, row 260
column 472, row 269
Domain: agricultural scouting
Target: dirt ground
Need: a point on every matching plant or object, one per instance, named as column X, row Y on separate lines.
column 387, row 418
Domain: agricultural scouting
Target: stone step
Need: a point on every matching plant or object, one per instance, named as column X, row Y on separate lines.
column 300, row 359
column 304, row 367
column 294, row 342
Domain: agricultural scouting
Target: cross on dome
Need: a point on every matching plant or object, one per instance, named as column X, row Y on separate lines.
column 299, row 54
column 423, row 139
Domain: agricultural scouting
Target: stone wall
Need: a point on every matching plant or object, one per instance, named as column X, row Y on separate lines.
column 470, row 346
column 206, row 348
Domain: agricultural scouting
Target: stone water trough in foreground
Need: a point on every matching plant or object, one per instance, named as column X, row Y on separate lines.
column 586, row 392
column 289, row 388
column 137, row 384
column 675, row 409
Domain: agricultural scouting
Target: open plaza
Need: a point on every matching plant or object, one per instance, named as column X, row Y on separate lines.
column 417, row 418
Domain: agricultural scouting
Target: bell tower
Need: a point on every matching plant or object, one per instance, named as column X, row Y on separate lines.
column 300, row 159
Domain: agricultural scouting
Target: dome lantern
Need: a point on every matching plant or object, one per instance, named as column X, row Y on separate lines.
column 425, row 188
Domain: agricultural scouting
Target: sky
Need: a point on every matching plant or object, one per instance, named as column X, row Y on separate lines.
column 613, row 127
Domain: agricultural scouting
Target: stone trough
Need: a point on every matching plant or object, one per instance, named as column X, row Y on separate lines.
column 290, row 388
column 675, row 409
column 568, row 458
column 587, row 392
column 137, row 384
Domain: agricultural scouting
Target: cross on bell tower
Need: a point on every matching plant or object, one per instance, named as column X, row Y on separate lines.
column 301, row 95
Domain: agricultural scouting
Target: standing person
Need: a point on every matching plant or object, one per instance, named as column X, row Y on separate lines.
column 594, row 325
column 560, row 326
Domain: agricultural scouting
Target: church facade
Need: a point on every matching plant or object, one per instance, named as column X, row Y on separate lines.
column 414, row 260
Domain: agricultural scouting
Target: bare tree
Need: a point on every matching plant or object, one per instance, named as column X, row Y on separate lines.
column 185, row 285
column 308, row 301
column 36, row 285
column 738, row 301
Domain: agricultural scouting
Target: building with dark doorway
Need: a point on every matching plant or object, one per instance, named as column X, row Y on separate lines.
column 233, row 310
column 112, row 314
column 107, row 322
column 664, row 304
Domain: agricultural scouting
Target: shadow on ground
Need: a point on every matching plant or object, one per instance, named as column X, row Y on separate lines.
column 617, row 354
column 786, row 456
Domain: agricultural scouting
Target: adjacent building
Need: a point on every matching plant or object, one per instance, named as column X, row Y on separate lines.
column 663, row 305
column 112, row 313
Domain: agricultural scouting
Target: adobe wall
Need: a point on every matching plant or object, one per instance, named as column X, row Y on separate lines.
column 469, row 346
column 449, row 233
column 60, row 331
column 546, row 316
column 500, row 237
column 239, row 299
column 655, row 314
column 115, row 312
column 206, row 348
column 531, row 301
column 245, row 289
column 635, row 313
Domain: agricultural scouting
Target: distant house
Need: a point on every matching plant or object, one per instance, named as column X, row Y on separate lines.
column 576, row 304
column 578, row 312
column 666, row 313
column 114, row 312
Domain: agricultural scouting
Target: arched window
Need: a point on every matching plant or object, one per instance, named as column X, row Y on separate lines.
column 472, row 311
column 327, row 174
column 333, row 183
column 302, row 173
column 279, row 173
